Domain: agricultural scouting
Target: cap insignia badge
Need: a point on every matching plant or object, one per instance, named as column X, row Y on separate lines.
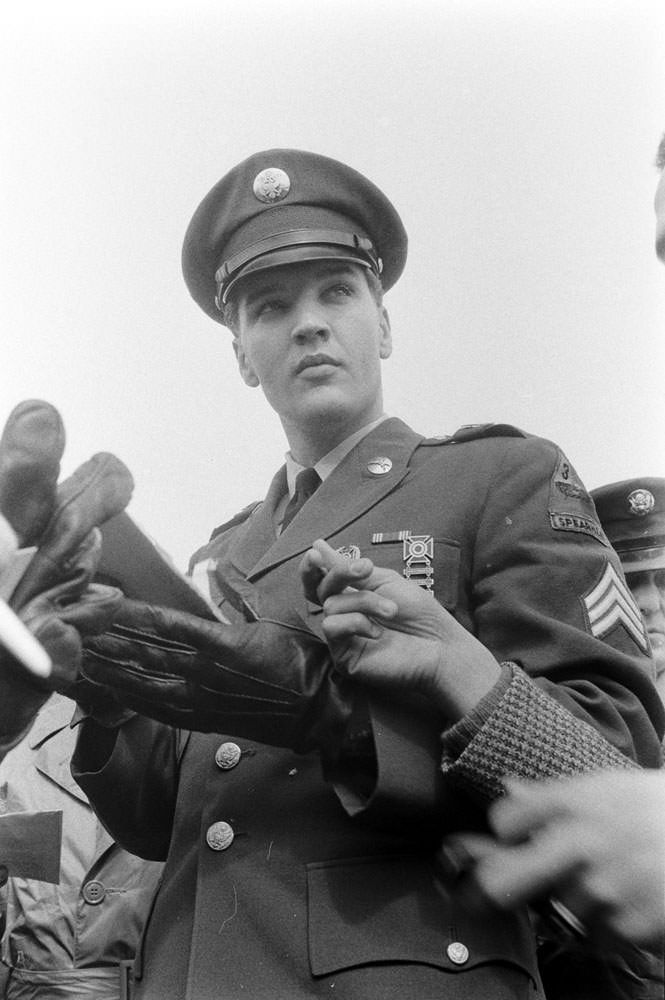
column 641, row 502
column 271, row 185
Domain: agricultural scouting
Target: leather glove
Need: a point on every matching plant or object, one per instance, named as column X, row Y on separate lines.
column 54, row 598
column 265, row 680
column 56, row 617
column 31, row 447
column 97, row 490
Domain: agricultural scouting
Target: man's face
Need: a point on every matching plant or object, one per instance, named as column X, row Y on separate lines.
column 648, row 589
column 312, row 336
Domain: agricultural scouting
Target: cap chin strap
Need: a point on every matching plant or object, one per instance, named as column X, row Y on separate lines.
column 358, row 246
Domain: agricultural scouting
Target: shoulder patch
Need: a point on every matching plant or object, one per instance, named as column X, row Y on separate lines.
column 243, row 515
column 570, row 507
column 474, row 432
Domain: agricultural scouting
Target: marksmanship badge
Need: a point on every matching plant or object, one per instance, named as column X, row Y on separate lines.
column 418, row 552
column 271, row 185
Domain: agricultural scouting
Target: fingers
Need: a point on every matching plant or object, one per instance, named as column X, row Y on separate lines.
column 338, row 627
column 31, row 447
column 512, row 875
column 311, row 574
column 366, row 602
column 527, row 806
column 325, row 572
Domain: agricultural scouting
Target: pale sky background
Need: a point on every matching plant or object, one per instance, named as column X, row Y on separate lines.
column 515, row 137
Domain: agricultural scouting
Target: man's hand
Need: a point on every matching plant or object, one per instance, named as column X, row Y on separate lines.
column 56, row 617
column 54, row 598
column 595, row 841
column 386, row 631
column 263, row 680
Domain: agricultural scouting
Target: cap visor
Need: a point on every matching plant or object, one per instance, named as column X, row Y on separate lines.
column 295, row 255
column 639, row 560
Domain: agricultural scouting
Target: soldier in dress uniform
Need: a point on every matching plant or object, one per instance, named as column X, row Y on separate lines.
column 306, row 867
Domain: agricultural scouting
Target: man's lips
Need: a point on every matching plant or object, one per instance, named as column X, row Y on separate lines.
column 315, row 361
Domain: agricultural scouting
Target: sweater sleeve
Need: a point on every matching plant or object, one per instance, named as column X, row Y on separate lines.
column 519, row 730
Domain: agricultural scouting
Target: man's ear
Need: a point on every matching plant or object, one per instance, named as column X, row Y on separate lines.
column 386, row 337
column 248, row 374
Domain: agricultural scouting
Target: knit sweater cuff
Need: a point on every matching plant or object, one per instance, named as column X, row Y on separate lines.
column 521, row 732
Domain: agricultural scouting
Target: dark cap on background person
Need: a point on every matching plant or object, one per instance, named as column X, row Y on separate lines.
column 632, row 513
column 283, row 206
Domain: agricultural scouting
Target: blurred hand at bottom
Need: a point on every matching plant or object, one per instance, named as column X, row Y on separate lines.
column 594, row 843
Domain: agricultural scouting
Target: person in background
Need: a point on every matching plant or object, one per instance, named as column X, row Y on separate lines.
column 76, row 938
column 632, row 513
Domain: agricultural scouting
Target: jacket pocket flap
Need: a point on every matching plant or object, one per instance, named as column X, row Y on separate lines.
column 393, row 909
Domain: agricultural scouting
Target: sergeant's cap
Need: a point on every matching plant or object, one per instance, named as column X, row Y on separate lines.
column 632, row 514
column 283, row 206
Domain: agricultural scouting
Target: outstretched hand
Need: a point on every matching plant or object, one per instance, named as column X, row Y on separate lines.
column 595, row 840
column 386, row 631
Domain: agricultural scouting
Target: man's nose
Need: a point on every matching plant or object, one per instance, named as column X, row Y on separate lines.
column 309, row 323
column 648, row 598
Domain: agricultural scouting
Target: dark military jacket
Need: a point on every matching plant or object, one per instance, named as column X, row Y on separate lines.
column 289, row 876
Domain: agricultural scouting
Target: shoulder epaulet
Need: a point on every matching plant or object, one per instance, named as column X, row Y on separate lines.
column 236, row 519
column 474, row 432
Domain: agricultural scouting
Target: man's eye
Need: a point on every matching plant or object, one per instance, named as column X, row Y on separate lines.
column 341, row 289
column 269, row 306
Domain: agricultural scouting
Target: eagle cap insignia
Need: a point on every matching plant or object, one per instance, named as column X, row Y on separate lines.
column 271, row 185
column 641, row 502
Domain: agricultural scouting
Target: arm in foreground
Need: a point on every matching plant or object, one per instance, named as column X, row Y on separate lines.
column 597, row 841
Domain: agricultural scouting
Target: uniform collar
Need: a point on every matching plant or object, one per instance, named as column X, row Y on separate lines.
column 345, row 495
column 329, row 462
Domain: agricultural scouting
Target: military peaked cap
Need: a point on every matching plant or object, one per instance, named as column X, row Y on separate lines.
column 282, row 206
column 632, row 514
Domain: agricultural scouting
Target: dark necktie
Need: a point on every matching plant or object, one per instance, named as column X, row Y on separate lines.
column 307, row 482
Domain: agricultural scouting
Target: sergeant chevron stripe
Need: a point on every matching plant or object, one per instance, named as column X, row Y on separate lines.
column 610, row 603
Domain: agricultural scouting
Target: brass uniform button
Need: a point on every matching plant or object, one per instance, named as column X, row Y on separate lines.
column 227, row 755
column 457, row 953
column 94, row 892
column 219, row 836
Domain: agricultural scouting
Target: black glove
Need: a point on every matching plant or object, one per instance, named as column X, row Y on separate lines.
column 54, row 598
column 57, row 618
column 31, row 447
column 99, row 488
column 263, row 680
